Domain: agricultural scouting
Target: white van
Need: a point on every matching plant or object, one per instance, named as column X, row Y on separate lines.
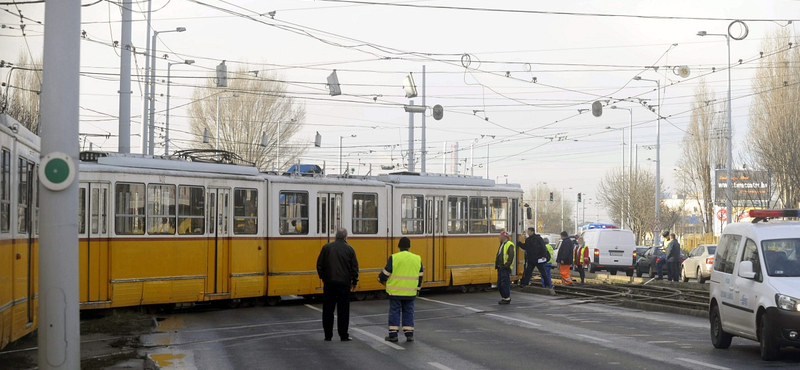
column 755, row 283
column 611, row 250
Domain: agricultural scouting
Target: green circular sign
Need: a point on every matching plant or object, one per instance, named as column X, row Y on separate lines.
column 56, row 170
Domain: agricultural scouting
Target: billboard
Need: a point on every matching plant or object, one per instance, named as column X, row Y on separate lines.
column 749, row 188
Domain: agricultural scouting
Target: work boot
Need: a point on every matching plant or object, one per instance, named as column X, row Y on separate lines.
column 391, row 338
column 504, row 301
column 409, row 337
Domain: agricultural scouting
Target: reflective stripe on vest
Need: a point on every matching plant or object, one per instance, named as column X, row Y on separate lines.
column 404, row 279
column 549, row 250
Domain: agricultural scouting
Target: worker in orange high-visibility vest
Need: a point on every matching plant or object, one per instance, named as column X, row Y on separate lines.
column 564, row 258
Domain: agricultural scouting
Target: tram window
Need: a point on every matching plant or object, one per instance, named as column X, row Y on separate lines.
column 160, row 209
column 293, row 213
column 191, row 207
column 95, row 215
column 36, row 199
column 411, row 214
column 457, row 216
column 245, row 211
column 365, row 213
column 5, row 195
column 499, row 214
column 129, row 207
column 478, row 220
column 81, row 211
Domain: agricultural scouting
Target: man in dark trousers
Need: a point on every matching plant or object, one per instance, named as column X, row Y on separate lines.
column 674, row 258
column 337, row 266
column 403, row 278
column 502, row 263
column 564, row 258
column 535, row 256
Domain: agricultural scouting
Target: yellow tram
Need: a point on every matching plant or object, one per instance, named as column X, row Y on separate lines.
column 156, row 231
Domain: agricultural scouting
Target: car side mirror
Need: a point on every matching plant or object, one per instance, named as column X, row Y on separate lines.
column 746, row 270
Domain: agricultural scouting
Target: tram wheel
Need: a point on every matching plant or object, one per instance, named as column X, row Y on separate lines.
column 273, row 300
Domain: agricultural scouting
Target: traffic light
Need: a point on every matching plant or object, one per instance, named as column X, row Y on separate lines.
column 551, row 196
column 579, row 197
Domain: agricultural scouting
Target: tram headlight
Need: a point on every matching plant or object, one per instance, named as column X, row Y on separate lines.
column 787, row 303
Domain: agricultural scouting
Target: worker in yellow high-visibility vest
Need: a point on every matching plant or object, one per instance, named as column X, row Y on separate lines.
column 403, row 279
column 502, row 263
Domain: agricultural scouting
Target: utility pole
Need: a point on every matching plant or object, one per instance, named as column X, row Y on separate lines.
column 124, row 145
column 146, row 99
column 58, row 313
column 423, row 149
column 411, row 138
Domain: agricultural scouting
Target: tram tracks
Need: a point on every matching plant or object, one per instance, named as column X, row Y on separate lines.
column 696, row 300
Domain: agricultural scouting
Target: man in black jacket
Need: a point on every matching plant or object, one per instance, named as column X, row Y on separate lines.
column 337, row 266
column 535, row 251
column 564, row 258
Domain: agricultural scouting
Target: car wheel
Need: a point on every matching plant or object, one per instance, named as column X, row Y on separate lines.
column 684, row 278
column 612, row 272
column 700, row 278
column 592, row 268
column 651, row 272
column 719, row 338
column 769, row 349
column 638, row 272
column 629, row 272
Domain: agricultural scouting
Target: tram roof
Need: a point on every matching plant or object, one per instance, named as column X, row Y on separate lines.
column 146, row 163
column 20, row 130
column 440, row 179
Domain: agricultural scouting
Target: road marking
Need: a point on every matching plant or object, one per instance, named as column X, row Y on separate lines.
column 660, row 341
column 513, row 319
column 594, row 338
column 703, row 364
column 381, row 340
column 313, row 308
column 450, row 304
column 439, row 366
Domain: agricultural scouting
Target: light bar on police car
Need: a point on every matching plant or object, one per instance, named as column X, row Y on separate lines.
column 761, row 213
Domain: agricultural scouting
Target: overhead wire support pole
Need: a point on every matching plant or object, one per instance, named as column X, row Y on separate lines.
column 124, row 144
column 59, row 291
column 423, row 149
column 145, row 98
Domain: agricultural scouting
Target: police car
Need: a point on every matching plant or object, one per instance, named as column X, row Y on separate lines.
column 755, row 283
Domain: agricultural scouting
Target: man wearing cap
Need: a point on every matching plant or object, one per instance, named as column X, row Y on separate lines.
column 402, row 276
column 502, row 263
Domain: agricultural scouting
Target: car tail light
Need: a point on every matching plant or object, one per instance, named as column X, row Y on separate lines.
column 710, row 260
column 634, row 254
column 658, row 259
column 596, row 252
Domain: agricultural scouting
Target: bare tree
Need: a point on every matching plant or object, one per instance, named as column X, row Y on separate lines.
column 261, row 107
column 550, row 211
column 704, row 150
column 612, row 191
column 775, row 114
column 20, row 97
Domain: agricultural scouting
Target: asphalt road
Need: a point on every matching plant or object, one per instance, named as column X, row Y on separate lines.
column 453, row 331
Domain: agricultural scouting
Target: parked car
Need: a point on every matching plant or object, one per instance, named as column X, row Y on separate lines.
column 640, row 250
column 698, row 263
column 647, row 262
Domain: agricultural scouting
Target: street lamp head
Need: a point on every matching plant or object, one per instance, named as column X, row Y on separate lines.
column 180, row 29
column 608, row 127
column 613, row 107
column 354, row 135
column 189, row 61
column 637, row 78
column 701, row 33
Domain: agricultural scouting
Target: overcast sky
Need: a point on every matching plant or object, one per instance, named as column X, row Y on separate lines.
column 538, row 133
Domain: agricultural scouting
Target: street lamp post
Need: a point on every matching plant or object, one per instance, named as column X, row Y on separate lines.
column 216, row 144
column 729, row 190
column 630, row 162
column 340, row 151
column 153, row 87
column 166, row 128
column 657, row 221
column 562, row 207
column 536, row 206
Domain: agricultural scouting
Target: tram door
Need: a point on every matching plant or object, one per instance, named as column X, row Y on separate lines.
column 516, row 227
column 434, row 224
column 94, row 258
column 220, row 242
column 27, row 202
column 329, row 216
